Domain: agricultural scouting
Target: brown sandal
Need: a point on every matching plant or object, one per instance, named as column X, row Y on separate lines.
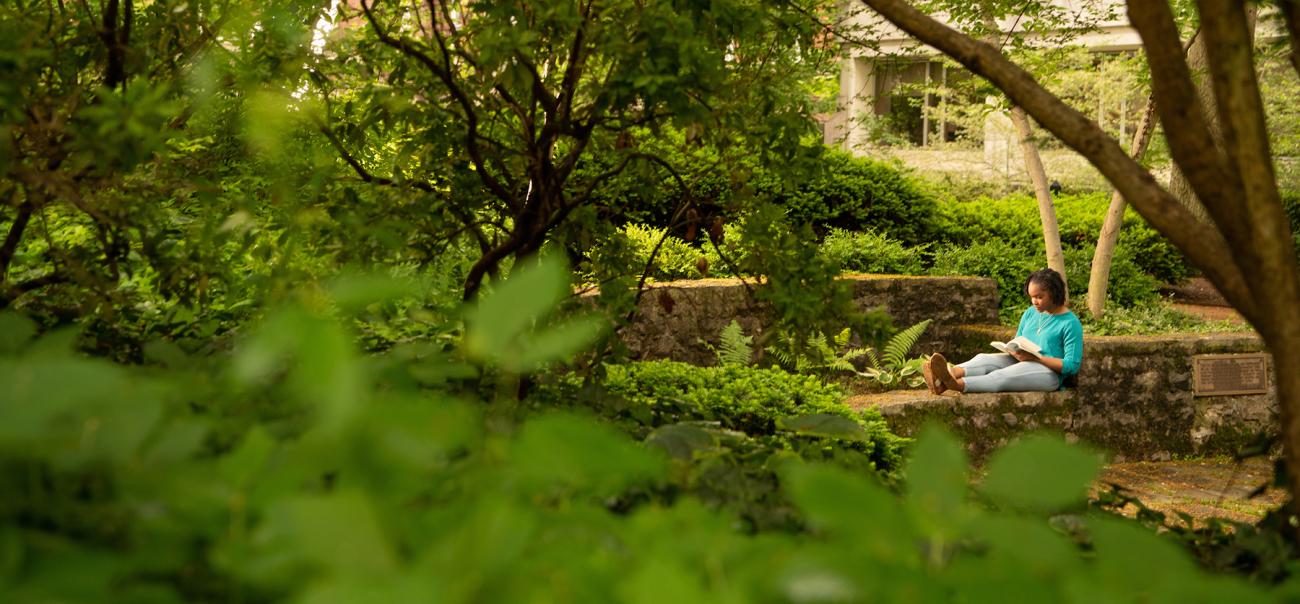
column 928, row 374
column 942, row 377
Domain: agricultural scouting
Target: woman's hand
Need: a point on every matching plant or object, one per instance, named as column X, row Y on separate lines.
column 1021, row 355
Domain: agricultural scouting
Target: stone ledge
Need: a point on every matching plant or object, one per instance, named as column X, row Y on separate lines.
column 1133, row 398
column 676, row 319
column 984, row 421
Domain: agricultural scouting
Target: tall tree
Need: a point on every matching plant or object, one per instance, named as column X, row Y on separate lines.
column 91, row 98
column 1245, row 247
column 513, row 114
column 1042, row 193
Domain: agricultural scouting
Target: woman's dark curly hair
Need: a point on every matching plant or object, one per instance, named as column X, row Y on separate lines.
column 1049, row 280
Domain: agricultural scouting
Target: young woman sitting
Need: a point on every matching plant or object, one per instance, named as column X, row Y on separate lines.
column 1047, row 323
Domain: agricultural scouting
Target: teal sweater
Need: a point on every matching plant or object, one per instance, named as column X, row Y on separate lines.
column 1060, row 336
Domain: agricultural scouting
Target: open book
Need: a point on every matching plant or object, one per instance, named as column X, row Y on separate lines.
column 1017, row 344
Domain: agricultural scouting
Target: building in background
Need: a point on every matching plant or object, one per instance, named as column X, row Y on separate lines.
column 898, row 90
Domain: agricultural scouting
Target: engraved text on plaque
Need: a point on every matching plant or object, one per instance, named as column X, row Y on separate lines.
column 1227, row 374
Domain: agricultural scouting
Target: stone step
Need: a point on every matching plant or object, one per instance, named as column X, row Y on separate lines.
column 983, row 421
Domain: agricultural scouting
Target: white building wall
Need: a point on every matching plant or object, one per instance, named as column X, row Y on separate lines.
column 857, row 81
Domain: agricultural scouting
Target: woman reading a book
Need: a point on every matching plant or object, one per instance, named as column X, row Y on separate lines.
column 1048, row 348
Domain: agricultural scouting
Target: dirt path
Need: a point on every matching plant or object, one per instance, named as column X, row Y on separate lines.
column 1204, row 488
column 1198, row 297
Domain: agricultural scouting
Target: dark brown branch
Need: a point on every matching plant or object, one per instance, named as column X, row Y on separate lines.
column 489, row 261
column 13, row 292
column 115, row 41
column 573, row 71
column 1229, row 36
column 1201, row 242
column 15, row 235
column 1291, row 14
column 444, row 73
column 366, row 176
column 540, row 93
column 207, row 33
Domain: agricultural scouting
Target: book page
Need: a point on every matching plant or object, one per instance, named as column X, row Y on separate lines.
column 1028, row 345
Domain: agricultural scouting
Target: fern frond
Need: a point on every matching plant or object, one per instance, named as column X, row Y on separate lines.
column 874, row 358
column 736, row 347
column 840, row 364
column 898, row 346
column 842, row 338
column 782, row 356
column 854, row 353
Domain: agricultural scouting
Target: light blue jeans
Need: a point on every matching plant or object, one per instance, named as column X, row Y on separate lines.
column 1000, row 372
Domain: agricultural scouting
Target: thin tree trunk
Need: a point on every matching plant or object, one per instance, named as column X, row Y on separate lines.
column 1038, row 176
column 1099, row 276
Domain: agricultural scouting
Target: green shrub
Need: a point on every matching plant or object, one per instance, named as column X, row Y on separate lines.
column 676, row 259
column 1015, row 219
column 996, row 259
column 748, row 399
column 859, row 194
column 949, row 187
column 1128, row 285
column 727, row 423
column 1291, row 205
column 731, row 245
column 871, row 252
column 1009, row 264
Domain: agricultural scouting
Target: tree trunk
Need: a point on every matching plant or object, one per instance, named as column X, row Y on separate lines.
column 1178, row 185
column 1099, row 276
column 1198, row 62
column 1286, row 371
column 1038, row 176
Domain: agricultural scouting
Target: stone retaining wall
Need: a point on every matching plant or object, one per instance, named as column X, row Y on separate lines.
column 676, row 319
column 1133, row 398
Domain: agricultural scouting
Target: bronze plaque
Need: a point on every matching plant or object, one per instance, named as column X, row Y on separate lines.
column 1227, row 374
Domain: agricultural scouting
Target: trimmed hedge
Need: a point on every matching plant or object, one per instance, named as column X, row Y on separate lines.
column 871, row 252
column 860, row 194
column 1015, row 219
column 1009, row 264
